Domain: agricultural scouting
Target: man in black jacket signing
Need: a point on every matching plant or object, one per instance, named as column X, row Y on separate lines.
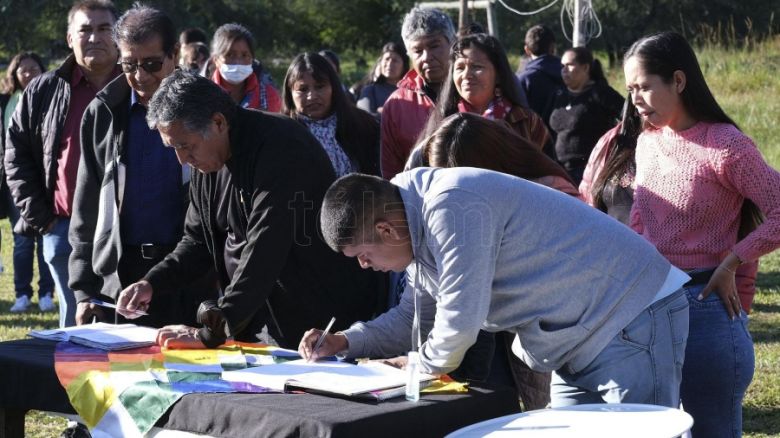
column 260, row 182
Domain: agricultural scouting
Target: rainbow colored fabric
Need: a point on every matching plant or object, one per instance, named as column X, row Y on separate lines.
column 124, row 393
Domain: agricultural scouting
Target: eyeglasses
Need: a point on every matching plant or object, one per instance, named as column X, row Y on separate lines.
column 148, row 66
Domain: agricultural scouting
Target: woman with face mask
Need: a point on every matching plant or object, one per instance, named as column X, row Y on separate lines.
column 238, row 73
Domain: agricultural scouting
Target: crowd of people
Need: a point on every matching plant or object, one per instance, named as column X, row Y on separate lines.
column 537, row 230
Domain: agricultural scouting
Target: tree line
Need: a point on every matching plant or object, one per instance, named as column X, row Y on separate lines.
column 285, row 27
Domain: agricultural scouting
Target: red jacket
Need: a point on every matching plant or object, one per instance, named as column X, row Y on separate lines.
column 403, row 119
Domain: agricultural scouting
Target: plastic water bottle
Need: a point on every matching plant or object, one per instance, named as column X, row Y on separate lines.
column 413, row 376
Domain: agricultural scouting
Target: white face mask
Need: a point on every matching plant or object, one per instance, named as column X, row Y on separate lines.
column 235, row 73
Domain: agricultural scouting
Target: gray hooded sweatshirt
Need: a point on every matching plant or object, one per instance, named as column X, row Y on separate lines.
column 500, row 253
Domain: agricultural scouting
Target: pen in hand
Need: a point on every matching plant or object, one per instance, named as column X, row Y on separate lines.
column 114, row 306
column 318, row 344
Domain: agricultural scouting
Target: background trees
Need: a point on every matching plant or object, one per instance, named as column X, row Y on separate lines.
column 286, row 27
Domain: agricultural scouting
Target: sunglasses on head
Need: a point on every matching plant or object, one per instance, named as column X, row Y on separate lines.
column 149, row 66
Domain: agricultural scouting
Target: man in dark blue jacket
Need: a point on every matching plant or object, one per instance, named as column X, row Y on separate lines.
column 542, row 74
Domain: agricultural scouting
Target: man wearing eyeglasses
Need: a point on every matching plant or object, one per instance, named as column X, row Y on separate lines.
column 43, row 147
column 139, row 185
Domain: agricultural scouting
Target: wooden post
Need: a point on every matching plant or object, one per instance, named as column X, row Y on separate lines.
column 463, row 16
column 578, row 33
column 492, row 19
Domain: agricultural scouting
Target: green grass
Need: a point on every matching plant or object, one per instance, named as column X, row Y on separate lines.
column 746, row 84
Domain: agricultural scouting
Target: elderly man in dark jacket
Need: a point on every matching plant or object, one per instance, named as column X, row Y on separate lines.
column 43, row 147
column 253, row 215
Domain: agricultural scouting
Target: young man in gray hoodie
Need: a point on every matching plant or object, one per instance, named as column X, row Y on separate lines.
column 586, row 296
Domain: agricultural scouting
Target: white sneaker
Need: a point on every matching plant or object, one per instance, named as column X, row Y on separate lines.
column 21, row 304
column 45, row 303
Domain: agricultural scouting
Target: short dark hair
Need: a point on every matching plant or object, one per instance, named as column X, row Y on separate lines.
column 351, row 207
column 92, row 5
column 227, row 34
column 190, row 99
column 540, row 40
column 193, row 35
column 141, row 23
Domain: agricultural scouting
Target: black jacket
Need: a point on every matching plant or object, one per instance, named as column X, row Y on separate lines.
column 540, row 79
column 95, row 226
column 95, row 246
column 3, row 186
column 578, row 120
column 33, row 145
column 269, row 194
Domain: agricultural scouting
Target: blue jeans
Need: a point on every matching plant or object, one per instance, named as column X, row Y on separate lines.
column 24, row 249
column 641, row 364
column 719, row 365
column 56, row 251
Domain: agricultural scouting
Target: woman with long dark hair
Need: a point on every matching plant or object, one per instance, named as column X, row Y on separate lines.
column 468, row 140
column 313, row 95
column 583, row 111
column 481, row 81
column 701, row 189
column 23, row 68
column 392, row 65
column 608, row 180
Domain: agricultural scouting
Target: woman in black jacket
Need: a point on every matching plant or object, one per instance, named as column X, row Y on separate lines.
column 582, row 112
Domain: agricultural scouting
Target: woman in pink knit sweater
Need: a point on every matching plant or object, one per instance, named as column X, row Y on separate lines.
column 701, row 185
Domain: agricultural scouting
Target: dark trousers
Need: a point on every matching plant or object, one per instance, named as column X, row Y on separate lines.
column 168, row 306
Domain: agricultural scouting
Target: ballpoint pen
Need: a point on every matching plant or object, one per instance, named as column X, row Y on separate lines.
column 114, row 306
column 322, row 336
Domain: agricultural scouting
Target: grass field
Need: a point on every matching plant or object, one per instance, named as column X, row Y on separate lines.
column 746, row 83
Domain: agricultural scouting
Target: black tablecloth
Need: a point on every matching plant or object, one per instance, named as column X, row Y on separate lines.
column 28, row 381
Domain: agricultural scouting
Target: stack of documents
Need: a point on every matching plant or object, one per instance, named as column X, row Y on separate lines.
column 103, row 336
column 330, row 377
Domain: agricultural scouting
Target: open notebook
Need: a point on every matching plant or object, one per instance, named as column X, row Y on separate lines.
column 333, row 377
column 103, row 336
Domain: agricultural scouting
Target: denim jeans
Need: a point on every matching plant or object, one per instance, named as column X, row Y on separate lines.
column 641, row 364
column 719, row 365
column 56, row 251
column 24, row 250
